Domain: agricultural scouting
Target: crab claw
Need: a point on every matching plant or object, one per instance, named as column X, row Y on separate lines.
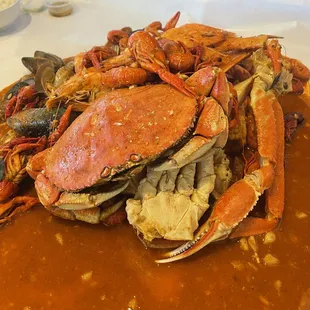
column 201, row 240
column 229, row 211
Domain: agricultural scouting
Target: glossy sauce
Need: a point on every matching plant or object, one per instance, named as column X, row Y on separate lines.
column 50, row 263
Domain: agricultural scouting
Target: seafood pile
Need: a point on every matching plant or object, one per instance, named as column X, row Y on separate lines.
column 177, row 130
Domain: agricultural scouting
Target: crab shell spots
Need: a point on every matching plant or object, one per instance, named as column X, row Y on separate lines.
column 144, row 120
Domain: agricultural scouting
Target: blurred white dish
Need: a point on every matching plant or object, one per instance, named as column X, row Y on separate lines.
column 9, row 14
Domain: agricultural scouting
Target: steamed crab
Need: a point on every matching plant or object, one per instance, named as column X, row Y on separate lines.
column 161, row 145
column 177, row 131
column 133, row 124
column 175, row 135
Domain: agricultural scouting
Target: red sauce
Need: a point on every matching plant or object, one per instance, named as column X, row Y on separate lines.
column 43, row 259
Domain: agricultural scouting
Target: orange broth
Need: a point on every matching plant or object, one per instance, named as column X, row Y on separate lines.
column 50, row 263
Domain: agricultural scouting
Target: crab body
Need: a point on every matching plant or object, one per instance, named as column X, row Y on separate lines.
column 124, row 129
column 109, row 143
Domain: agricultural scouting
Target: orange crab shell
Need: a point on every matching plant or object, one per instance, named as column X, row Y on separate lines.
column 124, row 128
column 192, row 35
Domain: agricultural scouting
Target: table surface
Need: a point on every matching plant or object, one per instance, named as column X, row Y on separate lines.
column 92, row 19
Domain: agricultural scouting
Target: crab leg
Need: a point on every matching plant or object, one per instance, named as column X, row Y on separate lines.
column 210, row 131
column 229, row 210
column 244, row 44
column 192, row 150
column 275, row 194
column 232, row 207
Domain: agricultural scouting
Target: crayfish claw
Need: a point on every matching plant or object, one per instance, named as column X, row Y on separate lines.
column 16, row 205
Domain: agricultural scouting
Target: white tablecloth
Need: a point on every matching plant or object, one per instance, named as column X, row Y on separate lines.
column 92, row 19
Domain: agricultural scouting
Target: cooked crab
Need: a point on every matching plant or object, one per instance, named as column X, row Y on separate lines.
column 125, row 130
